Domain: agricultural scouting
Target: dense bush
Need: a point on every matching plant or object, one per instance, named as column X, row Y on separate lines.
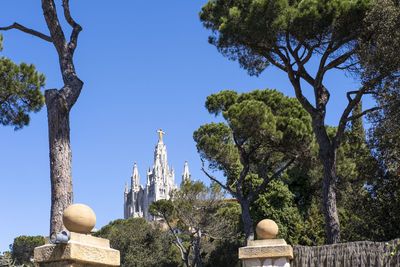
column 140, row 243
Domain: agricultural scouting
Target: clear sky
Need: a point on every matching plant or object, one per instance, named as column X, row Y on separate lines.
column 146, row 65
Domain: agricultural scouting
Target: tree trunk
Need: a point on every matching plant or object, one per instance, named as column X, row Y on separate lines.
column 187, row 261
column 327, row 155
column 197, row 261
column 60, row 157
column 247, row 221
column 332, row 225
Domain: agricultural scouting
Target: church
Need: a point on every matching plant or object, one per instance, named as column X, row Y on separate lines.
column 160, row 182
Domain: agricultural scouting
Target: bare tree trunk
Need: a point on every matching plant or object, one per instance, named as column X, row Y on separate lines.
column 60, row 158
column 187, row 260
column 196, row 260
column 59, row 103
column 327, row 154
column 332, row 225
column 247, row 221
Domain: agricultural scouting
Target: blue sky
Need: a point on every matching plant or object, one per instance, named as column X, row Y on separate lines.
column 146, row 65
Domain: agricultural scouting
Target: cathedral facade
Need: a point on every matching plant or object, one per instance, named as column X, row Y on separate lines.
column 160, row 182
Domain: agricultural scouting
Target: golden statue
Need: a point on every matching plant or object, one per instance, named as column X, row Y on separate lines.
column 160, row 132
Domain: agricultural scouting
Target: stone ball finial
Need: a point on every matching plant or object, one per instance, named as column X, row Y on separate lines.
column 267, row 229
column 79, row 218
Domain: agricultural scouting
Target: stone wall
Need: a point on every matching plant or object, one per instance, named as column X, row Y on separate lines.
column 362, row 253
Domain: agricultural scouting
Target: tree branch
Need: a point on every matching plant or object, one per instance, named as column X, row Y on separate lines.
column 215, row 180
column 344, row 118
column 320, row 73
column 27, row 30
column 348, row 94
column 5, row 99
column 339, row 60
column 76, row 27
column 266, row 180
column 274, row 62
column 295, row 81
column 177, row 241
column 363, row 113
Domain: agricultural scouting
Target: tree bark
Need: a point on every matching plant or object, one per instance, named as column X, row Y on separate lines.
column 60, row 157
column 196, row 260
column 327, row 154
column 247, row 221
column 332, row 225
column 59, row 103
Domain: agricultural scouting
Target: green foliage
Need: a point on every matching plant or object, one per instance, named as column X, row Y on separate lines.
column 379, row 55
column 380, row 41
column 19, row 92
column 355, row 169
column 384, row 204
column 379, row 48
column 264, row 122
column 264, row 130
column 224, row 253
column 353, row 35
column 314, row 233
column 249, row 30
column 197, row 213
column 230, row 212
column 163, row 208
column 385, row 132
column 277, row 203
column 22, row 248
column 140, row 243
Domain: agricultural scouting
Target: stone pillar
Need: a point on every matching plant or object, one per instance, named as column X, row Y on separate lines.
column 82, row 249
column 268, row 251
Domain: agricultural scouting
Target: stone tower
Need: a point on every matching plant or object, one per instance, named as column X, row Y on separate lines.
column 160, row 182
column 186, row 174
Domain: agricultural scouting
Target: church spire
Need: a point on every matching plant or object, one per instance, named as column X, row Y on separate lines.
column 135, row 178
column 186, row 174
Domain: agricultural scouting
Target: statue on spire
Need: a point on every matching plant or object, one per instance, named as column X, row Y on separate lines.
column 160, row 133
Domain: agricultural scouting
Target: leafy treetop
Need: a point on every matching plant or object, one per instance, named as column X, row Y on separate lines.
column 19, row 92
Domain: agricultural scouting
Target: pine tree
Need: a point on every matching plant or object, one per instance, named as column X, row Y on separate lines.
column 19, row 92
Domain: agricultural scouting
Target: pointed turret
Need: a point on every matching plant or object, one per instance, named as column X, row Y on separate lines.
column 160, row 165
column 172, row 177
column 186, row 174
column 135, row 178
column 125, row 200
column 148, row 177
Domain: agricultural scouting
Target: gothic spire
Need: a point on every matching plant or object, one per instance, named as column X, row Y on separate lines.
column 186, row 174
column 135, row 178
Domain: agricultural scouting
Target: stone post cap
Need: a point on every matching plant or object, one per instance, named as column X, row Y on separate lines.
column 259, row 251
column 81, row 250
column 267, row 229
column 79, row 218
